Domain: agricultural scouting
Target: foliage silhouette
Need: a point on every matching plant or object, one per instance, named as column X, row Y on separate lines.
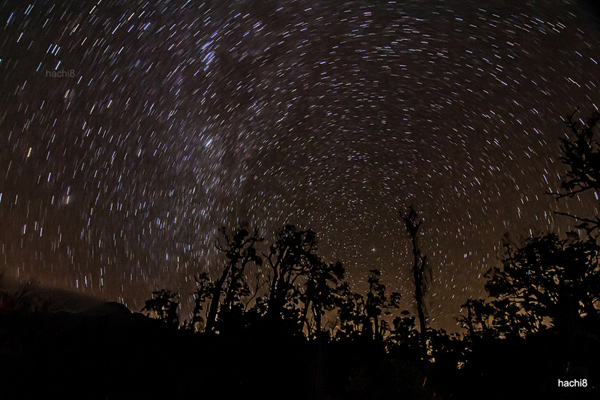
column 291, row 259
column 581, row 154
column 318, row 294
column 550, row 281
column 239, row 249
column 163, row 306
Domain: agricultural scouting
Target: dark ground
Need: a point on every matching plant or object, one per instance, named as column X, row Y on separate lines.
column 108, row 352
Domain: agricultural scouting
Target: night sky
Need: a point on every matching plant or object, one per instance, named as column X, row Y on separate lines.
column 130, row 131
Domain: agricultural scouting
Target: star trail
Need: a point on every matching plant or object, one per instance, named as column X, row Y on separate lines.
column 131, row 131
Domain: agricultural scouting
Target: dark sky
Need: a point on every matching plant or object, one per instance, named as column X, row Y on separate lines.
column 130, row 131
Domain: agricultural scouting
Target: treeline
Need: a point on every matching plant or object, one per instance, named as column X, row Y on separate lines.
column 292, row 292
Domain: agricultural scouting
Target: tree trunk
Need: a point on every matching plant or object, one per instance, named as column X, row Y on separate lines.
column 418, row 277
column 470, row 326
column 236, row 275
column 305, row 318
column 211, row 319
column 318, row 318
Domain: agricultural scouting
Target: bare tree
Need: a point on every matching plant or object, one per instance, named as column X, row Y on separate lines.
column 420, row 270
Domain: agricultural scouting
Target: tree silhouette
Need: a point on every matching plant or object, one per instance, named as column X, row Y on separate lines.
column 483, row 319
column 420, row 271
column 319, row 293
column 204, row 292
column 405, row 339
column 376, row 302
column 239, row 249
column 550, row 280
column 350, row 311
column 363, row 315
column 163, row 306
column 581, row 153
column 291, row 259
